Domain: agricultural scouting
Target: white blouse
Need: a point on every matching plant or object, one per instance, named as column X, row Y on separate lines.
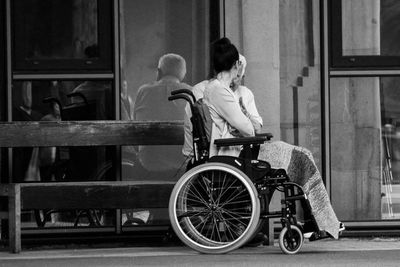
column 227, row 116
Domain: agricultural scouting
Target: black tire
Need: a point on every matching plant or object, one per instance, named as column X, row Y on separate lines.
column 214, row 208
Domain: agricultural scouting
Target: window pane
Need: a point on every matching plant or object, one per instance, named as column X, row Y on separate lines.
column 180, row 27
column 370, row 27
column 57, row 29
column 365, row 158
column 92, row 101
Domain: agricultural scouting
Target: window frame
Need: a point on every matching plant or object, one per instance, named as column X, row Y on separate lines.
column 338, row 60
column 102, row 64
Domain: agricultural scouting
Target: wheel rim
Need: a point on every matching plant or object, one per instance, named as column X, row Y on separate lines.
column 291, row 245
column 215, row 207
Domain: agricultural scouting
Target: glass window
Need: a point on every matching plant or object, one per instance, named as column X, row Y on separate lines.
column 76, row 100
column 54, row 101
column 365, row 148
column 43, row 100
column 72, row 34
column 181, row 27
column 365, row 33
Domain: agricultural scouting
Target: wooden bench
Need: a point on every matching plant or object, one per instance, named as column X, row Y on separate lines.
column 87, row 195
column 84, row 195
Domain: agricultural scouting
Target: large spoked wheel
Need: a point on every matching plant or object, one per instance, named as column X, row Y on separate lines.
column 214, row 208
column 290, row 242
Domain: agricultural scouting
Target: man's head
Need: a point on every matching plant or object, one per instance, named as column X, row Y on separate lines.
column 242, row 68
column 172, row 65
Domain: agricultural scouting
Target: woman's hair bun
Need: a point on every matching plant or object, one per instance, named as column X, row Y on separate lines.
column 225, row 55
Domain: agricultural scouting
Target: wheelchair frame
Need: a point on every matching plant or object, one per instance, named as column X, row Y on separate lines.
column 221, row 203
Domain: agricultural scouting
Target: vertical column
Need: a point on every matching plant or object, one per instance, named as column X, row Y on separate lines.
column 234, row 22
column 254, row 26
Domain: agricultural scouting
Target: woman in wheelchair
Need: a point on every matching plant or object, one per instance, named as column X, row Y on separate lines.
column 196, row 212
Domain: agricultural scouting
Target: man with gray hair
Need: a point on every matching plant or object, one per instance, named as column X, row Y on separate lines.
column 162, row 162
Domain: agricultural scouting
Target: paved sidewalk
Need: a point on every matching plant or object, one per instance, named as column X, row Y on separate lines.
column 327, row 245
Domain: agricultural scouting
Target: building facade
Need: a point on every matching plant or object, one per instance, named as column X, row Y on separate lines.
column 323, row 72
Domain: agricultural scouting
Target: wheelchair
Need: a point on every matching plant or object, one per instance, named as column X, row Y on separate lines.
column 221, row 202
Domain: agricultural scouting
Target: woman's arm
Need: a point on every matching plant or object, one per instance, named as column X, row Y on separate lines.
column 253, row 116
column 228, row 108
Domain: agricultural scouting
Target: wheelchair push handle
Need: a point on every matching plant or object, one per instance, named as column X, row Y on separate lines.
column 184, row 91
column 180, row 96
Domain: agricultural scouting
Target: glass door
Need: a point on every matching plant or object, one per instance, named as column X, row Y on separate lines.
column 149, row 30
column 364, row 111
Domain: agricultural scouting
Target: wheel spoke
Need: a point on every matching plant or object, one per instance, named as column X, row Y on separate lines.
column 191, row 213
column 194, row 201
column 204, row 223
column 230, row 227
column 195, row 193
column 234, row 196
column 228, row 188
column 237, row 215
column 223, row 188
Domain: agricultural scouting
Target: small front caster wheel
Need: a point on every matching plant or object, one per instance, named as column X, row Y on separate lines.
column 290, row 241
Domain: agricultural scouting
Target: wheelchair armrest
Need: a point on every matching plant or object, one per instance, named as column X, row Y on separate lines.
column 268, row 135
column 253, row 140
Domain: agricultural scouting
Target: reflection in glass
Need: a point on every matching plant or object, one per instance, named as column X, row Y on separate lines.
column 370, row 27
column 365, row 150
column 77, row 100
column 55, row 101
column 57, row 29
column 180, row 27
column 391, row 147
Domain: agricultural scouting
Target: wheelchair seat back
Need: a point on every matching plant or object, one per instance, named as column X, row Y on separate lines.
column 201, row 124
column 201, row 130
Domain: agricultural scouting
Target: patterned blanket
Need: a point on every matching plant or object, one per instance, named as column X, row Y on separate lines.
column 300, row 167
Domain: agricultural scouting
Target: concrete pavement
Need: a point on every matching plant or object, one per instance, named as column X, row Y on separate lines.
column 326, row 245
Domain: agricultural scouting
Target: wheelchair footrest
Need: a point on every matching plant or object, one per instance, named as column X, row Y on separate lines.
column 318, row 236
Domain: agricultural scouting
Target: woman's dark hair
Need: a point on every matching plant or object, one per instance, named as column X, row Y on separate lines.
column 225, row 55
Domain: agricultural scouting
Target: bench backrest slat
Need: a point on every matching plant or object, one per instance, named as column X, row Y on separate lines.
column 92, row 195
column 90, row 133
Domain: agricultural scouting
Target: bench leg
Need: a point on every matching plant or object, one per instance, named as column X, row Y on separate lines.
column 14, row 220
